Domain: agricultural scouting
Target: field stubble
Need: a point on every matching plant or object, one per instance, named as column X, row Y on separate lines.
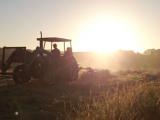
column 97, row 95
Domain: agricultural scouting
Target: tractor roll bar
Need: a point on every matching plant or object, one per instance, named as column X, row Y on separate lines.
column 52, row 40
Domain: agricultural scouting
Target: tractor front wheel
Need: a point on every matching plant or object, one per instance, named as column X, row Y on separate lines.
column 20, row 76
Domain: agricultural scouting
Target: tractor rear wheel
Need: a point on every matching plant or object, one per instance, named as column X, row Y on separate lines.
column 37, row 68
column 20, row 75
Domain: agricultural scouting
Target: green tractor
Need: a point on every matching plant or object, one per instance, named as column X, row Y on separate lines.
column 40, row 63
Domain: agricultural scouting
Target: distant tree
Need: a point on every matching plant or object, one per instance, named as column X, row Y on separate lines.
column 152, row 52
column 149, row 51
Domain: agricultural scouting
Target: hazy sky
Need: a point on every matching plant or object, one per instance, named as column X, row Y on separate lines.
column 21, row 20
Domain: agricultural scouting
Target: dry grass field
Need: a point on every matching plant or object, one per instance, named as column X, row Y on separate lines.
column 97, row 95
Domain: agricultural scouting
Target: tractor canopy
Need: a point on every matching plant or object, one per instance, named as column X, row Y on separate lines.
column 43, row 40
column 53, row 39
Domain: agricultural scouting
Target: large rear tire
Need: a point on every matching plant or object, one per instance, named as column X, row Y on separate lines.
column 70, row 72
column 20, row 76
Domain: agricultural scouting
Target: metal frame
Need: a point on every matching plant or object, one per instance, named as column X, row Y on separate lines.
column 4, row 55
column 53, row 40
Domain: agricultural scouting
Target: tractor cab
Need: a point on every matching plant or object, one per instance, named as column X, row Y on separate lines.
column 65, row 65
column 43, row 43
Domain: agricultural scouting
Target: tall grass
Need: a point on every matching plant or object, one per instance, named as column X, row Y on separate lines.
column 97, row 95
column 131, row 102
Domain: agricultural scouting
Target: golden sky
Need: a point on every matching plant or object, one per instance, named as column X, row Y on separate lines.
column 93, row 25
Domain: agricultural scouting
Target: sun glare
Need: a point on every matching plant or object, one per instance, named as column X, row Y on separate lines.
column 107, row 36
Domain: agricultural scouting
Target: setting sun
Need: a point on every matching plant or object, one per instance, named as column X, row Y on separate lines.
column 108, row 35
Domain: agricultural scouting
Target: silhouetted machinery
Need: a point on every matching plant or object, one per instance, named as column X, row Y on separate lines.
column 40, row 63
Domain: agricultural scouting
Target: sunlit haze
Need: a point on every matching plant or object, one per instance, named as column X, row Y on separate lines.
column 107, row 34
column 99, row 25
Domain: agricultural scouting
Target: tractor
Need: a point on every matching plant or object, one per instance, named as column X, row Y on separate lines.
column 23, row 65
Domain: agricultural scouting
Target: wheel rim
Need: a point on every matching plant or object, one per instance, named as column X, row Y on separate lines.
column 20, row 75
